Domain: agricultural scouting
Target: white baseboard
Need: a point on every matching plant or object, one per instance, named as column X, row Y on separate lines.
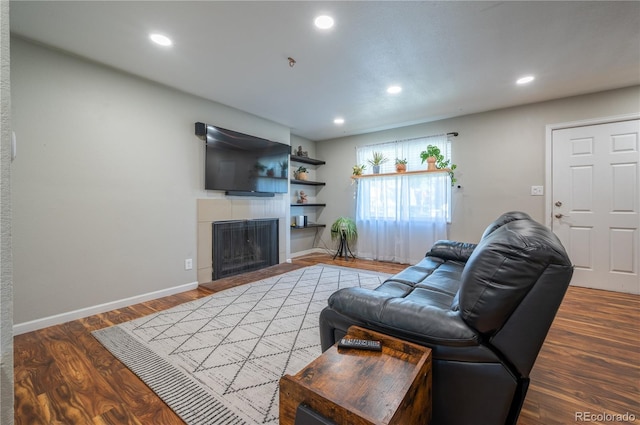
column 57, row 319
column 307, row 251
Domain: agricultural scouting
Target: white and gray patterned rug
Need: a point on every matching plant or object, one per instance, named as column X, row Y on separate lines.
column 218, row 360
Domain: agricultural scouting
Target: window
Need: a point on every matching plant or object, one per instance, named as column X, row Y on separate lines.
column 400, row 216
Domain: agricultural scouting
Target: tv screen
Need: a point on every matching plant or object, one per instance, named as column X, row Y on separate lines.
column 237, row 162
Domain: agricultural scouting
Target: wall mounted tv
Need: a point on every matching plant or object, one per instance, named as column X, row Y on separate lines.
column 243, row 165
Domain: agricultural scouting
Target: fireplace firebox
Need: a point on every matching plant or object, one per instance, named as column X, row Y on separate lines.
column 244, row 245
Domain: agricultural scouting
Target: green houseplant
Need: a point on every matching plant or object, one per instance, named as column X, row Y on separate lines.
column 300, row 173
column 401, row 165
column 358, row 169
column 344, row 227
column 432, row 155
column 376, row 161
column 435, row 160
column 344, row 230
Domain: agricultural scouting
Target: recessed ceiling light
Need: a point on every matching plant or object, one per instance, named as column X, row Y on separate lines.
column 160, row 39
column 338, row 121
column 394, row 89
column 525, row 80
column 323, row 22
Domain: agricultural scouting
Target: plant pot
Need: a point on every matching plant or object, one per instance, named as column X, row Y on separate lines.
column 302, row 175
column 401, row 168
column 431, row 163
column 376, row 169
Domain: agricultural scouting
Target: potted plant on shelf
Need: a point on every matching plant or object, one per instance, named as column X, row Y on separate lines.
column 377, row 160
column 436, row 161
column 431, row 155
column 358, row 169
column 300, row 173
column 344, row 229
column 401, row 165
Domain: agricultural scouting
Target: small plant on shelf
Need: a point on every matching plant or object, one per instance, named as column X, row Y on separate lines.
column 432, row 155
column 401, row 165
column 436, row 160
column 300, row 173
column 376, row 161
column 358, row 169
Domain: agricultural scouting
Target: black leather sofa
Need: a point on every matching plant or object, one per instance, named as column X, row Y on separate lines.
column 484, row 309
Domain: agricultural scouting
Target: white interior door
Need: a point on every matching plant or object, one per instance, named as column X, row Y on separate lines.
column 596, row 197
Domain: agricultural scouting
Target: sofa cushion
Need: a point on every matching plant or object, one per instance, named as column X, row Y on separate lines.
column 419, row 272
column 423, row 315
column 503, row 268
column 451, row 250
column 505, row 218
column 445, row 279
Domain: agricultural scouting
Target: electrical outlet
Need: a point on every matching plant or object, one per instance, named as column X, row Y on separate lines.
column 188, row 264
column 537, row 190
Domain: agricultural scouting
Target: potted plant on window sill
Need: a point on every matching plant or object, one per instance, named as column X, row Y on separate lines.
column 377, row 160
column 358, row 169
column 431, row 156
column 435, row 161
column 401, row 165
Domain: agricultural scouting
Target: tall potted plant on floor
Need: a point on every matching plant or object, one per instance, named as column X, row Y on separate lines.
column 344, row 230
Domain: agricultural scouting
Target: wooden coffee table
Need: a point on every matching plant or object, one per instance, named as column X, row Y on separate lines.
column 358, row 387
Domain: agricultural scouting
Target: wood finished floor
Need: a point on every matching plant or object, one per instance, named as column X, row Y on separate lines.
column 590, row 362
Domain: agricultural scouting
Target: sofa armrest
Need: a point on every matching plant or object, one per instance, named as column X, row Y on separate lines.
column 452, row 250
column 431, row 324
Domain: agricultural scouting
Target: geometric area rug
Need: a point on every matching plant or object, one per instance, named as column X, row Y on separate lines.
column 218, row 360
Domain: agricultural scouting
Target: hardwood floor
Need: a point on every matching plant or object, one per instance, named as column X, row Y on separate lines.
column 590, row 362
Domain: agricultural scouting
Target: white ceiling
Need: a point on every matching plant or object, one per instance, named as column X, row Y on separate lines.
column 451, row 58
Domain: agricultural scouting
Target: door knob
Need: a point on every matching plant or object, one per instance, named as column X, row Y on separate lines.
column 558, row 204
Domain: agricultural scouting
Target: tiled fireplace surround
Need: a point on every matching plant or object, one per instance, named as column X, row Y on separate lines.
column 230, row 208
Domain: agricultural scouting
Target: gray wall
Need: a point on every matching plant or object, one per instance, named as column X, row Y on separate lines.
column 105, row 182
column 500, row 155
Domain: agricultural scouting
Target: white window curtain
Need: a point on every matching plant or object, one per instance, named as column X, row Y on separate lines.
column 400, row 217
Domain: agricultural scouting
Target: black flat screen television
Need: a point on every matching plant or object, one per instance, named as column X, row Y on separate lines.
column 241, row 164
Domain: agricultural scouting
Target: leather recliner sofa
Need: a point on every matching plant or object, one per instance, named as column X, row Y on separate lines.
column 484, row 309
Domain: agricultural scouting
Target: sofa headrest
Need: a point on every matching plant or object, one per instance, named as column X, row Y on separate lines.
column 505, row 218
column 503, row 268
